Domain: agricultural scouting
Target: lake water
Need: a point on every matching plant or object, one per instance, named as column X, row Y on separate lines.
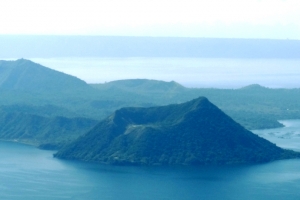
column 30, row 173
column 287, row 137
column 190, row 72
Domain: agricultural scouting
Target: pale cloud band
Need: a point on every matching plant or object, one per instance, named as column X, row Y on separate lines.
column 191, row 18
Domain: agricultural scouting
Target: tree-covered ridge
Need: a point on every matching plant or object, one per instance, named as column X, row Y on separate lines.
column 26, row 75
column 28, row 84
column 195, row 132
column 30, row 89
column 45, row 132
column 254, row 106
column 142, row 85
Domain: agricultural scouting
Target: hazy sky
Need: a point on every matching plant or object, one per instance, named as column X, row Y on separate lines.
column 189, row 18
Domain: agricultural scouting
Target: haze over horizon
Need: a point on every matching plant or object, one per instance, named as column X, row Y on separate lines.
column 274, row 19
column 190, row 72
column 250, row 19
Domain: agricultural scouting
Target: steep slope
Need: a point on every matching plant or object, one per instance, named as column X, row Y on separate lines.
column 23, row 82
column 37, row 130
column 29, row 84
column 26, row 75
column 195, row 132
column 253, row 106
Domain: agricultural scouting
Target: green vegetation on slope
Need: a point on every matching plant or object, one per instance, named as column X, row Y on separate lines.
column 196, row 132
column 29, row 89
column 45, row 132
column 25, row 75
column 254, row 107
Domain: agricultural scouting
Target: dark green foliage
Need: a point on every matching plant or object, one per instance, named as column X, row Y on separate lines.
column 35, row 89
column 37, row 130
column 42, row 94
column 44, row 110
column 30, row 85
column 254, row 107
column 196, row 132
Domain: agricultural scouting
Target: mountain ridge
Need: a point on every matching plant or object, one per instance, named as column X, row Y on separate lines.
column 26, row 75
column 41, row 131
column 195, row 132
column 141, row 84
column 253, row 106
column 254, row 109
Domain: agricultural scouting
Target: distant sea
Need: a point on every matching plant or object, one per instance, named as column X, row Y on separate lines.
column 29, row 173
column 190, row 72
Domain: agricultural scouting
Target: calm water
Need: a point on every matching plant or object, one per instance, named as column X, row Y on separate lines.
column 287, row 137
column 30, row 173
column 191, row 72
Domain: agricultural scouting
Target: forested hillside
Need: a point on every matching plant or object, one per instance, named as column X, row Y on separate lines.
column 29, row 90
column 254, row 107
column 195, row 132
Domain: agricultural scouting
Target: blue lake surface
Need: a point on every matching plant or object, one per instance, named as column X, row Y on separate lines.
column 30, row 173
